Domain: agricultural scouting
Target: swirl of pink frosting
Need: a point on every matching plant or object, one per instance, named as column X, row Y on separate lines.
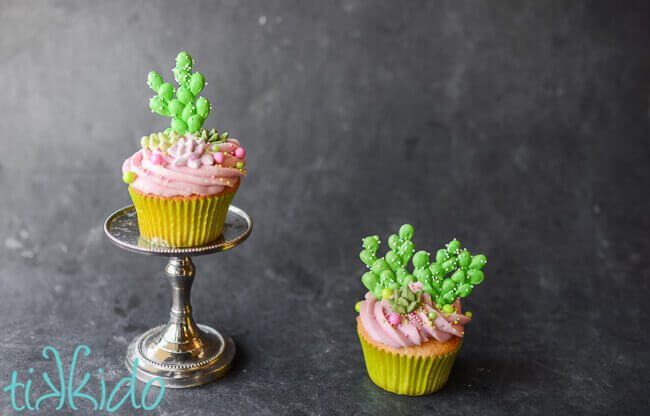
column 416, row 328
column 157, row 174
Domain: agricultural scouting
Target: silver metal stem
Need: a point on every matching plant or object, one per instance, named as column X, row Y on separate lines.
column 181, row 333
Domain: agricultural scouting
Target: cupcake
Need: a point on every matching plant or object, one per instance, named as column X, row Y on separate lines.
column 411, row 325
column 184, row 179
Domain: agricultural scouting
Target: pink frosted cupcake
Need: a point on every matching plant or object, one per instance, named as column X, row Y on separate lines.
column 182, row 190
column 184, row 179
column 410, row 324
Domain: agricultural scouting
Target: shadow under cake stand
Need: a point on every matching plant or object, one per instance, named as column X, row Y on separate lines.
column 182, row 353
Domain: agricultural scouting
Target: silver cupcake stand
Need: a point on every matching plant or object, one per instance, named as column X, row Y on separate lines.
column 181, row 352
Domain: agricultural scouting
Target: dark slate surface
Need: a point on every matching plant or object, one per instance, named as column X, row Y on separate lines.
column 521, row 130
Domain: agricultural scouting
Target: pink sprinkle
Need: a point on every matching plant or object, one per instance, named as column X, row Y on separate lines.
column 395, row 319
column 157, row 159
column 219, row 158
column 240, row 153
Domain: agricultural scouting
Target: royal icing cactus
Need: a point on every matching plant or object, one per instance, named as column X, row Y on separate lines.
column 188, row 112
column 424, row 303
column 158, row 167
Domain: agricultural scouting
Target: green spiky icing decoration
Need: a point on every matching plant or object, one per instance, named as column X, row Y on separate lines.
column 453, row 274
column 164, row 141
column 405, row 301
column 188, row 112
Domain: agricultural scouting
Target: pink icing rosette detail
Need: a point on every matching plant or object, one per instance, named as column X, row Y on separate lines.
column 187, row 168
column 414, row 329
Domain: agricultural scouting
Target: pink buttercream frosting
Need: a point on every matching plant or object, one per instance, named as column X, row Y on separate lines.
column 416, row 327
column 159, row 172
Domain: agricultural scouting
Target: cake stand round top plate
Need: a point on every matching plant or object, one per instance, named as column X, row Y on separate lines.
column 121, row 227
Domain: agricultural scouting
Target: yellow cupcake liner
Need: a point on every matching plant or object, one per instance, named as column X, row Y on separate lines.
column 406, row 374
column 180, row 222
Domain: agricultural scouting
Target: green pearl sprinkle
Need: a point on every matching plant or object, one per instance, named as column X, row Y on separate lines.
column 240, row 165
column 357, row 306
column 433, row 316
column 447, row 308
column 128, row 177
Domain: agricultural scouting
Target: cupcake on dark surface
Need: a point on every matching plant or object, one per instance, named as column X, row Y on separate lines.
column 410, row 324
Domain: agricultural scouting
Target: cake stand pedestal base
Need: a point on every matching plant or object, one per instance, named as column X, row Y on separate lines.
column 180, row 353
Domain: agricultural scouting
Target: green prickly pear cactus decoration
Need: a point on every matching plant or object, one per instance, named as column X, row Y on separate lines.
column 388, row 272
column 187, row 110
column 453, row 274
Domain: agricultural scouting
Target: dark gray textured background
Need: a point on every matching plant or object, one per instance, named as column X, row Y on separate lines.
column 522, row 130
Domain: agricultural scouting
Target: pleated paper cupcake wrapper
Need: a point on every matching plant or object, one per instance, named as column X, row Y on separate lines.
column 407, row 375
column 181, row 222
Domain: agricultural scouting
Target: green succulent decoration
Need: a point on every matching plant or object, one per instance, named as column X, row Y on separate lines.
column 453, row 274
column 187, row 110
column 211, row 136
column 405, row 301
column 162, row 141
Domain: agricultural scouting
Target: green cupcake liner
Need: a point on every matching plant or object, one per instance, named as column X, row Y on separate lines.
column 405, row 374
